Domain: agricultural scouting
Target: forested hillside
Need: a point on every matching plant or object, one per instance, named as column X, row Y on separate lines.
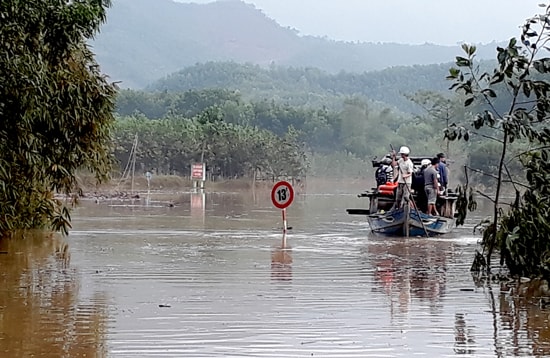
column 221, row 125
column 144, row 40
column 213, row 89
column 337, row 121
column 311, row 86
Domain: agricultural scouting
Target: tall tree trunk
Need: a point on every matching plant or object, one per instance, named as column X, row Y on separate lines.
column 493, row 236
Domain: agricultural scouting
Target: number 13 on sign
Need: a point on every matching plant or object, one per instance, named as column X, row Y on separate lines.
column 282, row 195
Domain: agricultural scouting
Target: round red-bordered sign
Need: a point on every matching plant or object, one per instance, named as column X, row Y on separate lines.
column 282, row 194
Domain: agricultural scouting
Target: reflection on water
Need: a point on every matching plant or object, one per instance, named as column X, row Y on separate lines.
column 409, row 268
column 212, row 275
column 464, row 340
column 41, row 313
column 198, row 206
column 523, row 322
column 281, row 261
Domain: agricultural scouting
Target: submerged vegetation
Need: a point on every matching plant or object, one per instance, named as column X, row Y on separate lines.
column 518, row 229
column 170, row 145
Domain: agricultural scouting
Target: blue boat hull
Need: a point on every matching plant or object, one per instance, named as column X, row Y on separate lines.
column 394, row 223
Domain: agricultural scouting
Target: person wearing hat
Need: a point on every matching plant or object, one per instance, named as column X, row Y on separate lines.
column 404, row 168
column 425, row 163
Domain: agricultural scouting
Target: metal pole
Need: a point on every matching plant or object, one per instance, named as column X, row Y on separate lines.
column 134, row 161
column 284, row 221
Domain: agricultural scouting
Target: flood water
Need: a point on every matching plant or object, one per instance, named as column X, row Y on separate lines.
column 212, row 277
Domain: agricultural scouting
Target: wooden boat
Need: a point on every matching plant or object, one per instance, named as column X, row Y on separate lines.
column 409, row 220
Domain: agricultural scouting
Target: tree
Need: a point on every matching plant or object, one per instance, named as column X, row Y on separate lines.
column 55, row 108
column 441, row 110
column 520, row 229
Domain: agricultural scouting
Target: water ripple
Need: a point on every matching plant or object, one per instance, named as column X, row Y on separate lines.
column 166, row 282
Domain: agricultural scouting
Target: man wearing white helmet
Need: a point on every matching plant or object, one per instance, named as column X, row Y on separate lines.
column 403, row 170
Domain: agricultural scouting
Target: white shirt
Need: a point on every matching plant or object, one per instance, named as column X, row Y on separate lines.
column 404, row 167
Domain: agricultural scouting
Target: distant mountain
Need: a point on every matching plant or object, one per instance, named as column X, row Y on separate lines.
column 144, row 40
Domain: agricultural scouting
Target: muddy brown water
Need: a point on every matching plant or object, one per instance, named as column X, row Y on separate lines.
column 209, row 277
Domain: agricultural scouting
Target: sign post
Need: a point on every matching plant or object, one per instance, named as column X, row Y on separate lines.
column 198, row 174
column 282, row 195
column 148, row 176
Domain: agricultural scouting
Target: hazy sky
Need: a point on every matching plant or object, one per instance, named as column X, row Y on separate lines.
column 403, row 21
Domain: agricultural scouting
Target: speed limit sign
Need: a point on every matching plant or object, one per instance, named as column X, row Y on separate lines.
column 282, row 194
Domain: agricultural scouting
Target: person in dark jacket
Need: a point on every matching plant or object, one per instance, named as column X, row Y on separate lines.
column 443, row 172
column 418, row 186
column 384, row 173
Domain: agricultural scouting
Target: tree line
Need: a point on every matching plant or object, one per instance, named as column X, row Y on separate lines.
column 355, row 128
column 330, row 113
column 171, row 144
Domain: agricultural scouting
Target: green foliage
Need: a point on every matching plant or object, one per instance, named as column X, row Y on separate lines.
column 55, row 109
column 170, row 145
column 520, row 233
column 329, row 113
column 307, row 86
column 523, row 232
column 440, row 112
column 359, row 127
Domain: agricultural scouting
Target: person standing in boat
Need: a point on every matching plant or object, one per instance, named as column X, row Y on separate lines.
column 431, row 186
column 418, row 186
column 443, row 172
column 404, row 169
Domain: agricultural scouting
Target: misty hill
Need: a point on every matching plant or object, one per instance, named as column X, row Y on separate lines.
column 310, row 86
column 144, row 40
